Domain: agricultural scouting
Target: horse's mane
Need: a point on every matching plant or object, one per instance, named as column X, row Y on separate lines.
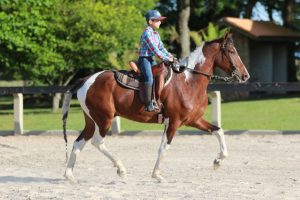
column 195, row 57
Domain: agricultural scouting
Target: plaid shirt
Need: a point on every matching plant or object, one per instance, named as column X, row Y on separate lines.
column 151, row 45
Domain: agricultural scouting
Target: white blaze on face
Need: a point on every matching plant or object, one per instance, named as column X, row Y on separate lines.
column 194, row 58
column 239, row 60
column 82, row 92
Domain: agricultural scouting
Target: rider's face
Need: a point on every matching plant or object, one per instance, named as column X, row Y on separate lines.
column 155, row 23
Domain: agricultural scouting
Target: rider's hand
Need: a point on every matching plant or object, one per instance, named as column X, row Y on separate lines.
column 171, row 59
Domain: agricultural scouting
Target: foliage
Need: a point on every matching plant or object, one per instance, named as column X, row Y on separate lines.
column 49, row 41
column 196, row 37
column 25, row 39
column 213, row 32
column 210, row 33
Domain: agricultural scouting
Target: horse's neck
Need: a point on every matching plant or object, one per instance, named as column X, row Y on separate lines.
column 197, row 79
column 198, row 62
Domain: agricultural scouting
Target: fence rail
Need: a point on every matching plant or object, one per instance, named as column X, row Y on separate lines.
column 214, row 89
column 34, row 90
column 254, row 87
column 223, row 87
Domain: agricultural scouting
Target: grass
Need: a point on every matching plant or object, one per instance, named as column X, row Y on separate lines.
column 265, row 114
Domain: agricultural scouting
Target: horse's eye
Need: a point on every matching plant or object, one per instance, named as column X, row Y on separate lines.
column 231, row 51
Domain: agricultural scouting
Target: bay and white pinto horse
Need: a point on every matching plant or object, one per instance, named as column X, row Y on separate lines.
column 184, row 101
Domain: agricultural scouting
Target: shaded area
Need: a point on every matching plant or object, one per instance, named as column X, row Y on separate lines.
column 28, row 179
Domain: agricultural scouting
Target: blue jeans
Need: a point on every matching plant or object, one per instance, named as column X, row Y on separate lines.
column 145, row 64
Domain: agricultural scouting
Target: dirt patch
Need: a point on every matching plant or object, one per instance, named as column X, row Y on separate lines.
column 258, row 167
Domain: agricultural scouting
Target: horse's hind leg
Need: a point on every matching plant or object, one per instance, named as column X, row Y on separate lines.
column 219, row 133
column 78, row 145
column 98, row 142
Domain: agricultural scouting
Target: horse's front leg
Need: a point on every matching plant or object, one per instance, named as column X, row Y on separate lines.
column 167, row 137
column 219, row 133
column 223, row 149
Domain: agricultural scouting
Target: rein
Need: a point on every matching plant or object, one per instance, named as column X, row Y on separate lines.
column 211, row 76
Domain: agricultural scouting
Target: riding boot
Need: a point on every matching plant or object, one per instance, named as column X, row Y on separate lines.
column 148, row 95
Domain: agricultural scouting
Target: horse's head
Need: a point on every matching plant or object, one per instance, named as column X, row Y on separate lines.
column 229, row 60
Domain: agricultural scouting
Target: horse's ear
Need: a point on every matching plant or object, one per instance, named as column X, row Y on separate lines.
column 227, row 35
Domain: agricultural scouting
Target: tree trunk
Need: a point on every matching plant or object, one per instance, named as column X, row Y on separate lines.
column 184, row 31
column 55, row 102
column 249, row 8
column 57, row 97
column 270, row 6
column 288, row 21
column 288, row 18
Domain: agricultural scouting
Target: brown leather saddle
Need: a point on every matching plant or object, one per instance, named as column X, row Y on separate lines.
column 134, row 80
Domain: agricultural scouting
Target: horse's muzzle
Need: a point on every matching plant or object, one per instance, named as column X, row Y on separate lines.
column 245, row 77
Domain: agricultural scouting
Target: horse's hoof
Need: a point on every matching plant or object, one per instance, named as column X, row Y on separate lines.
column 122, row 173
column 70, row 178
column 223, row 155
column 159, row 178
column 217, row 163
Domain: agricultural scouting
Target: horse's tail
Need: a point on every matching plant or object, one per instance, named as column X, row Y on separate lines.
column 65, row 109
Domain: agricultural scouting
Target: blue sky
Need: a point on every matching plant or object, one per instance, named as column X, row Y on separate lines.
column 260, row 14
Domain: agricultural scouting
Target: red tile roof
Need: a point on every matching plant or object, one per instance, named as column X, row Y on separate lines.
column 260, row 30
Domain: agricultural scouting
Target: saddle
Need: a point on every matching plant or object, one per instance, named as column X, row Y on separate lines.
column 134, row 80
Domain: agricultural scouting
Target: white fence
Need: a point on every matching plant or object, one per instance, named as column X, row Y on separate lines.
column 214, row 90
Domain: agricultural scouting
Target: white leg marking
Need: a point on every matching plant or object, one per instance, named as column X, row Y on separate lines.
column 77, row 148
column 161, row 154
column 98, row 142
column 223, row 149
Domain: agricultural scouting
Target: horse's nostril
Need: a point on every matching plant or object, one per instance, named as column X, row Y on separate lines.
column 245, row 77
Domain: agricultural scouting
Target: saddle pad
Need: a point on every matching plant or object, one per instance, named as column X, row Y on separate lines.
column 128, row 79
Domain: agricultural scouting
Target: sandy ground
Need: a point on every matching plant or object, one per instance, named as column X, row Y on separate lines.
column 258, row 167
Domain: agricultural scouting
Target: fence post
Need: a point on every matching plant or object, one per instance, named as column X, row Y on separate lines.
column 216, row 108
column 18, row 113
column 116, row 125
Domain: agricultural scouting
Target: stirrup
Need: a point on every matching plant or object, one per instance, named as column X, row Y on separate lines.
column 151, row 107
column 156, row 107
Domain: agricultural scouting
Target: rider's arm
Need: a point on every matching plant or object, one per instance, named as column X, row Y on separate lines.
column 163, row 49
column 154, row 48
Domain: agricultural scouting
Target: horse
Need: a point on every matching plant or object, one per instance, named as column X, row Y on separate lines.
column 184, row 99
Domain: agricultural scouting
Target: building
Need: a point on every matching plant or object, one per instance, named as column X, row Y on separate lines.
column 264, row 48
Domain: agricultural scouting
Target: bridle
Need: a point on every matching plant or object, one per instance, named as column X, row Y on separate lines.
column 225, row 52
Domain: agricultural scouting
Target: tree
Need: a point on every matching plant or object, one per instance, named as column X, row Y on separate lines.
column 249, row 4
column 288, row 14
column 184, row 35
column 187, row 17
column 26, row 40
column 49, row 41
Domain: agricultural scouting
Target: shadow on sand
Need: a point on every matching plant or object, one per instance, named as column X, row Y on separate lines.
column 28, row 179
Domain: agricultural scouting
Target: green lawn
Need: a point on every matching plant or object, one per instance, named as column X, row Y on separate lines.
column 270, row 114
